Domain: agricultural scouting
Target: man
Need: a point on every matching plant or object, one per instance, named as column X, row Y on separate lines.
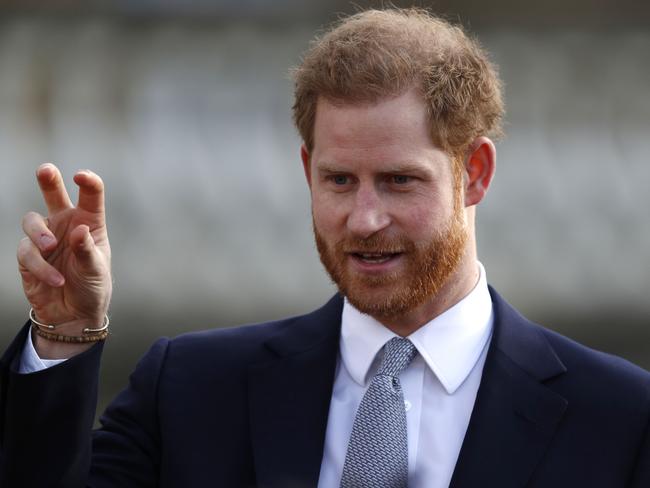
column 417, row 374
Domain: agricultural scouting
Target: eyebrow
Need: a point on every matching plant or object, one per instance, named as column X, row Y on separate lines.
column 408, row 167
column 403, row 167
column 329, row 168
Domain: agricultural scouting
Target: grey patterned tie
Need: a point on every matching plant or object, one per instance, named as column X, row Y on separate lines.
column 377, row 454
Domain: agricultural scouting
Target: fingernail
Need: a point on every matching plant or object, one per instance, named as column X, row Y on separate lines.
column 47, row 241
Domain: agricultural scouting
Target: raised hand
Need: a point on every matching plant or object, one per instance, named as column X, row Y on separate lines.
column 65, row 258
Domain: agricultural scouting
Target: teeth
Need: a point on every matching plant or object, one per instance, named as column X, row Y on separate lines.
column 375, row 258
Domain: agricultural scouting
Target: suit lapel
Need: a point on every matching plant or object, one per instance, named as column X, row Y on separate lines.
column 289, row 399
column 515, row 415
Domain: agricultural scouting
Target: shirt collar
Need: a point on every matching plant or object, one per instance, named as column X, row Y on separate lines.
column 450, row 344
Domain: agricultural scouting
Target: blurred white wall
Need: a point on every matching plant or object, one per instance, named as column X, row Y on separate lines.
column 191, row 130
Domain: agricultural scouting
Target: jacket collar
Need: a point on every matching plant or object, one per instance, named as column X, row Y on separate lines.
column 289, row 399
column 515, row 415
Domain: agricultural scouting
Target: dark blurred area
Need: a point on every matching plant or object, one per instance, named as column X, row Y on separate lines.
column 581, row 14
column 184, row 109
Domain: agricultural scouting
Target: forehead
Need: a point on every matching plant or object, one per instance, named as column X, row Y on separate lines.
column 402, row 116
column 394, row 129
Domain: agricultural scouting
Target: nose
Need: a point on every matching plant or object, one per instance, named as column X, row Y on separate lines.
column 368, row 215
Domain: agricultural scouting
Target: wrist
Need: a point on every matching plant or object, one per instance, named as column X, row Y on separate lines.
column 47, row 349
column 71, row 328
column 66, row 339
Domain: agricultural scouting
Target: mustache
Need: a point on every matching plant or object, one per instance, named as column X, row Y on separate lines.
column 376, row 244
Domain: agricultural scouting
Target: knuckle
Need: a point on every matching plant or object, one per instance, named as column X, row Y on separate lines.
column 26, row 219
column 23, row 249
column 97, row 184
column 30, row 220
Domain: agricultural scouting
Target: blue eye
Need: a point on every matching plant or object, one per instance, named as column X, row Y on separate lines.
column 340, row 179
column 401, row 179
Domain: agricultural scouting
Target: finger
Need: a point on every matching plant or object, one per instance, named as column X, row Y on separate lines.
column 84, row 248
column 53, row 189
column 28, row 278
column 31, row 261
column 35, row 226
column 91, row 191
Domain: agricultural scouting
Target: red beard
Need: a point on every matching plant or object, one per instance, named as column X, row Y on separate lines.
column 428, row 267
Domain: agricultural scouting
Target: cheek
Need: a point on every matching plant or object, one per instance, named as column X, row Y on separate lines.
column 330, row 203
column 422, row 221
column 325, row 212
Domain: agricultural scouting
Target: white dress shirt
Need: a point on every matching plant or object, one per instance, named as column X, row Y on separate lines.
column 439, row 386
column 30, row 362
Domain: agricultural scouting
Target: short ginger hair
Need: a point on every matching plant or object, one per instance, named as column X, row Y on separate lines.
column 376, row 54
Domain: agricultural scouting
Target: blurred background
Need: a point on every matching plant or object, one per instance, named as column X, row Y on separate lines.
column 184, row 109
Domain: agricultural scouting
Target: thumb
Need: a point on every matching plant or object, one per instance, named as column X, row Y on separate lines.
column 84, row 249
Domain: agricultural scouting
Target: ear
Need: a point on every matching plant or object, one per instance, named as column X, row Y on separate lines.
column 306, row 163
column 480, row 165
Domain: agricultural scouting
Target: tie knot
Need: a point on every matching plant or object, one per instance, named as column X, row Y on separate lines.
column 398, row 354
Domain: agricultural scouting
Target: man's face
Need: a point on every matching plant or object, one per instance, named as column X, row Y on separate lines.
column 387, row 207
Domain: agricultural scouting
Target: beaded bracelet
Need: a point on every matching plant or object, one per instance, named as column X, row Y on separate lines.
column 65, row 338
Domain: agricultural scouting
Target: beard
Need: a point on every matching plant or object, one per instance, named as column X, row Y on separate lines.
column 427, row 268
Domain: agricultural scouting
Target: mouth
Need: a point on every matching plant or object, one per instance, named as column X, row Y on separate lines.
column 375, row 257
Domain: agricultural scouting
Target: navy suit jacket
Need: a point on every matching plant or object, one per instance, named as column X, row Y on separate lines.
column 248, row 406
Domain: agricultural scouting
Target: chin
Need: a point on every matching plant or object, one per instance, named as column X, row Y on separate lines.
column 381, row 301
